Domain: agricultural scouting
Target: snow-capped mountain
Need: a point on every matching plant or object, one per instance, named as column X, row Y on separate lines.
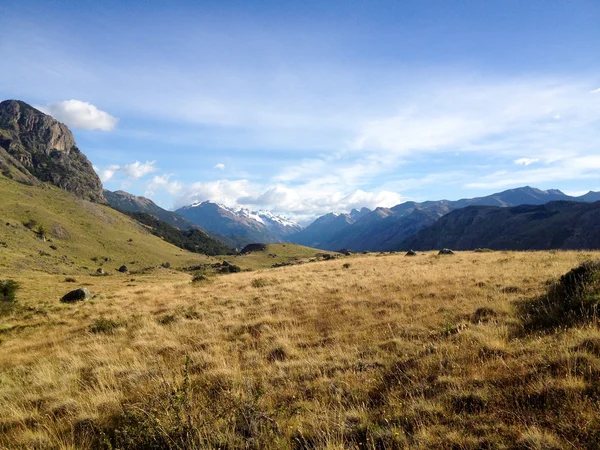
column 279, row 224
column 240, row 224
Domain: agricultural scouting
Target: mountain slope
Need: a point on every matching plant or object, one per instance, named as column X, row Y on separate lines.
column 127, row 202
column 320, row 233
column 79, row 234
column 554, row 225
column 41, row 147
column 193, row 239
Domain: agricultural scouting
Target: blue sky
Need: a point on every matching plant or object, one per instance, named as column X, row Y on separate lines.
column 316, row 106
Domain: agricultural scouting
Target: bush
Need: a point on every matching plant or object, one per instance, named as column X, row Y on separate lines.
column 232, row 268
column 573, row 299
column 8, row 290
column 102, row 325
column 346, row 265
column 259, row 282
column 200, row 276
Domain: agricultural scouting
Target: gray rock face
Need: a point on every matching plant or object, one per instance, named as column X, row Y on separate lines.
column 78, row 295
column 45, row 149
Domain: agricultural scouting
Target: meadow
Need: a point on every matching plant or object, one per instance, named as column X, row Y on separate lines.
column 377, row 351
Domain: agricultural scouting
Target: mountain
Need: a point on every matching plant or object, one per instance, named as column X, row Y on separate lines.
column 385, row 228
column 36, row 147
column 280, row 225
column 554, row 225
column 382, row 229
column 590, row 197
column 320, row 233
column 124, row 201
column 240, row 226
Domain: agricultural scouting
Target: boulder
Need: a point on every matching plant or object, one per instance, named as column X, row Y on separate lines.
column 446, row 251
column 226, row 264
column 100, row 271
column 123, row 269
column 411, row 253
column 78, row 295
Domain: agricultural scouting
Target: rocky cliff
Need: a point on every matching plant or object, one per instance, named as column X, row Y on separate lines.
column 40, row 147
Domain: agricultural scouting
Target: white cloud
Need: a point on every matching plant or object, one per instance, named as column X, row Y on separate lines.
column 133, row 171
column 525, row 161
column 595, row 91
column 220, row 166
column 163, row 182
column 503, row 118
column 576, row 168
column 222, row 191
column 138, row 170
column 78, row 114
column 109, row 172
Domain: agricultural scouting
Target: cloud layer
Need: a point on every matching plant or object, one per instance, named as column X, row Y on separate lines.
column 83, row 115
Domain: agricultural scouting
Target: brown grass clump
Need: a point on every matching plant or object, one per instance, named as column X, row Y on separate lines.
column 395, row 353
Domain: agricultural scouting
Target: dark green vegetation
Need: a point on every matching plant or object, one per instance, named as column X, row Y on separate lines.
column 193, row 240
column 8, row 290
column 555, row 225
column 572, row 300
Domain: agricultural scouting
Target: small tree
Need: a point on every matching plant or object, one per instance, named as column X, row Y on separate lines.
column 8, row 290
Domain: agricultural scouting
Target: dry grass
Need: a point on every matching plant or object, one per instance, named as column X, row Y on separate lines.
column 389, row 352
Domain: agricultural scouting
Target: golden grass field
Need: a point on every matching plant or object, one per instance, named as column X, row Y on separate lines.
column 361, row 352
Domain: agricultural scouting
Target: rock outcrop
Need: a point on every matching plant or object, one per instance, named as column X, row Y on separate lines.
column 35, row 146
column 78, row 295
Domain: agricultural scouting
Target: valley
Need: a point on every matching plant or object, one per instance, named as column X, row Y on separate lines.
column 366, row 351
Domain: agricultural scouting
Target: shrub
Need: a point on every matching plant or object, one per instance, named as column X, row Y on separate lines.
column 346, row 265
column 199, row 277
column 233, row 268
column 31, row 223
column 259, row 282
column 8, row 290
column 167, row 319
column 102, row 325
column 573, row 299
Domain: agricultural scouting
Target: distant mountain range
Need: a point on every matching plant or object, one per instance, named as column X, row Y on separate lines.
column 554, row 225
column 386, row 229
column 241, row 225
column 383, row 229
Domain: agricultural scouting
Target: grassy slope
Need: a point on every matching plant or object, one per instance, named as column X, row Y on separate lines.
column 92, row 231
column 388, row 352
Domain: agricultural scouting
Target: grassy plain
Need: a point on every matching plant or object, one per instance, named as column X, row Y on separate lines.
column 368, row 351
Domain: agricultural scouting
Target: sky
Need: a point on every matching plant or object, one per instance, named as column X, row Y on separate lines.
column 306, row 107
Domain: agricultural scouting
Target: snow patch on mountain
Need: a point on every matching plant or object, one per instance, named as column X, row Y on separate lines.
column 267, row 218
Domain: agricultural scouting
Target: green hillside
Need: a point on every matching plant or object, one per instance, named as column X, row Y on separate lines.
column 80, row 236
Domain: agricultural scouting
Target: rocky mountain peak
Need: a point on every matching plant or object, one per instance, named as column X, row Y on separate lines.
column 36, row 142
